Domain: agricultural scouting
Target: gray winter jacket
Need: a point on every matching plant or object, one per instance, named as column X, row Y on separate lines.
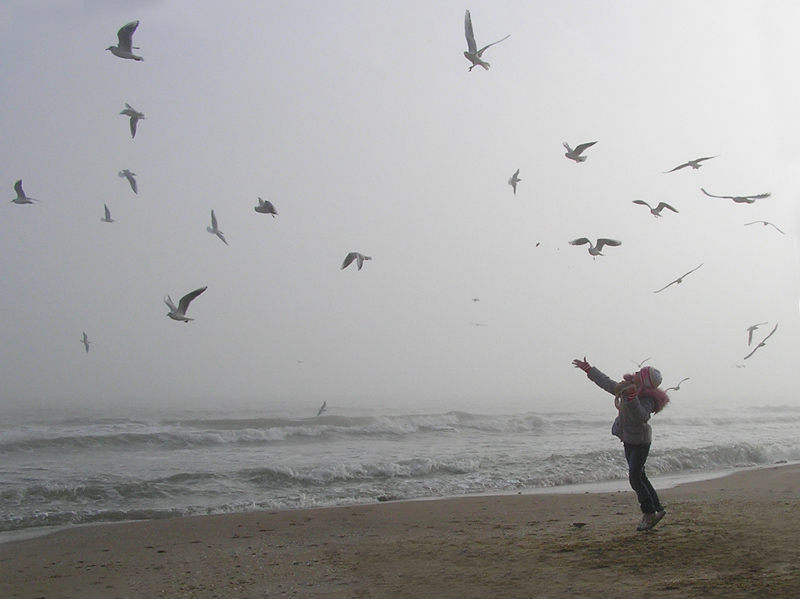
column 631, row 425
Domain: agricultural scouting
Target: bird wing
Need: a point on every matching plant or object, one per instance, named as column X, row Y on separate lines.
column 711, row 195
column 480, row 52
column 691, row 271
column 777, row 229
column 170, row 304
column 129, row 176
column 107, row 211
column 352, row 255
column 18, row 189
column 603, row 241
column 677, row 168
column 471, row 45
column 642, row 202
column 580, row 148
column 770, row 335
column 183, row 305
column 752, row 352
column 662, row 205
column 579, row 241
column 221, row 236
column 134, row 120
column 359, row 260
column 665, row 286
column 760, row 196
column 125, row 36
column 705, row 158
column 213, row 221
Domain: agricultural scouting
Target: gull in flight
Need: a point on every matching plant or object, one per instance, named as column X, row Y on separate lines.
column 679, row 280
column 130, row 177
column 765, row 223
column 21, row 197
column 473, row 54
column 576, row 153
column 695, row 164
column 762, row 343
column 739, row 199
column 676, row 387
column 640, row 364
column 107, row 218
column 135, row 115
column 323, row 408
column 594, row 250
column 125, row 47
column 657, row 210
column 214, row 230
column 265, row 207
column 514, row 180
column 750, row 331
column 179, row 312
column 85, row 342
column 359, row 258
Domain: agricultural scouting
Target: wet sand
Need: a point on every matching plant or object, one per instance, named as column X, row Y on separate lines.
column 735, row 536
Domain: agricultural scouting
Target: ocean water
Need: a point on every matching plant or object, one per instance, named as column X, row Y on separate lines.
column 76, row 468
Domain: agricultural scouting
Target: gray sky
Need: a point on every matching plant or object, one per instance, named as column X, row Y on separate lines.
column 360, row 122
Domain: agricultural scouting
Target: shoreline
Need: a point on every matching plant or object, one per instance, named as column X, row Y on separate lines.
column 732, row 536
column 611, row 486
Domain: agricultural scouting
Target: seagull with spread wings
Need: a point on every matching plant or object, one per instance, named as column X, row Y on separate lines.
column 657, row 210
column 126, row 174
column 107, row 218
column 359, row 258
column 134, row 115
column 576, row 153
column 695, row 164
column 473, row 54
column 676, row 387
column 265, row 207
column 765, row 223
column 214, row 229
column 679, row 280
column 125, row 47
column 179, row 312
column 21, row 197
column 322, row 408
column 514, row 180
column 762, row 343
column 85, row 342
column 594, row 250
column 739, row 199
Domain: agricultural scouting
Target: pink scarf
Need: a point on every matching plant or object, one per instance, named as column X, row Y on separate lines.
column 660, row 397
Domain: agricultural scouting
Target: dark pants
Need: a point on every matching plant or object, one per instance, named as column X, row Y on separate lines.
column 636, row 455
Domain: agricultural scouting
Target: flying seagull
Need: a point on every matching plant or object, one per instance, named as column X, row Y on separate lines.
column 640, row 364
column 125, row 47
column 265, row 207
column 594, row 250
column 679, row 280
column 472, row 53
column 214, row 230
column 765, row 223
column 359, row 258
column 739, row 199
column 107, row 218
column 134, row 115
column 676, row 387
column 130, row 177
column 179, row 312
column 657, row 210
column 750, row 331
column 576, row 153
column 323, row 408
column 695, row 164
column 85, row 342
column 514, row 180
column 762, row 343
column 21, row 197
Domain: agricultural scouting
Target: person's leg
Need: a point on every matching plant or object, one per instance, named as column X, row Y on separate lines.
column 636, row 455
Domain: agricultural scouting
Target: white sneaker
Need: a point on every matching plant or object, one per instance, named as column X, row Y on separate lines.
column 650, row 520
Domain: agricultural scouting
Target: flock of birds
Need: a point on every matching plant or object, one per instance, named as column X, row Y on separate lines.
column 577, row 154
column 125, row 50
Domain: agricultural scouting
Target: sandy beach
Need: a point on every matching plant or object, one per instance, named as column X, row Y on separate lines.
column 735, row 536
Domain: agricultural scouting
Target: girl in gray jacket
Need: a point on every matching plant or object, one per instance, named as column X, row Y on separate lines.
column 636, row 397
